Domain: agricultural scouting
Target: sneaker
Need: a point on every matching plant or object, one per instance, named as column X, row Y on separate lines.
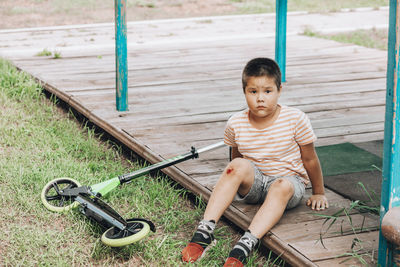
column 241, row 251
column 194, row 252
column 201, row 242
column 233, row 262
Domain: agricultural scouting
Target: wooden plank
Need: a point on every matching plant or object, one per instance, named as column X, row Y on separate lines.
column 354, row 138
column 178, row 111
column 140, row 92
column 339, row 116
column 313, row 230
column 337, row 246
column 291, row 98
column 165, row 53
column 203, row 111
column 190, row 61
column 184, row 77
column 350, row 130
column 351, row 261
column 293, row 39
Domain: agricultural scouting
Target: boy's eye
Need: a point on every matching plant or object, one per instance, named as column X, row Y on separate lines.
column 268, row 91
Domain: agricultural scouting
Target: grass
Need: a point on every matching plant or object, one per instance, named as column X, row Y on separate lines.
column 39, row 141
column 45, row 53
column 374, row 38
column 268, row 6
column 57, row 55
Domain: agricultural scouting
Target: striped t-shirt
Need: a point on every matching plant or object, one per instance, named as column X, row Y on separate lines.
column 274, row 150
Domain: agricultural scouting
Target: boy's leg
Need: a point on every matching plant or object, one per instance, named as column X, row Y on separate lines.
column 237, row 177
column 270, row 212
column 267, row 216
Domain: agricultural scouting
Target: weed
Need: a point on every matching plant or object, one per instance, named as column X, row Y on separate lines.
column 309, row 32
column 273, row 260
column 57, row 55
column 357, row 253
column 372, row 205
column 43, row 53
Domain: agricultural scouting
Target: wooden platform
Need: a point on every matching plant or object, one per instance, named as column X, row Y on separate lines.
column 182, row 91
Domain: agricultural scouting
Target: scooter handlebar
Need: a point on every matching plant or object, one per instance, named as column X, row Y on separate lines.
column 211, row 147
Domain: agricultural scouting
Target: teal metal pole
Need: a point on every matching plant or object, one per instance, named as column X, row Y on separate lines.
column 121, row 59
column 390, row 194
column 280, row 36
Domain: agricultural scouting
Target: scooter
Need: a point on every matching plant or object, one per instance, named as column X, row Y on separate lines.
column 64, row 194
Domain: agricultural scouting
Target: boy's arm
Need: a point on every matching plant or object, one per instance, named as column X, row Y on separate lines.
column 311, row 163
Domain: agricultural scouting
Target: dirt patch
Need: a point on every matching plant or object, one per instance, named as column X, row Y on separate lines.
column 38, row 13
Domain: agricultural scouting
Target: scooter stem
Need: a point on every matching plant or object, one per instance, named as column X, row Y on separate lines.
column 168, row 162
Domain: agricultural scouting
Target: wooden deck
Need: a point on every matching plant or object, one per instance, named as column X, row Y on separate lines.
column 181, row 92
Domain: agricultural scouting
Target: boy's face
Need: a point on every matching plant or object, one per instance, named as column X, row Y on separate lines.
column 262, row 96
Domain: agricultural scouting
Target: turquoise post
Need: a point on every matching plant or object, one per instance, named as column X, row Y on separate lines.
column 390, row 194
column 280, row 36
column 121, row 60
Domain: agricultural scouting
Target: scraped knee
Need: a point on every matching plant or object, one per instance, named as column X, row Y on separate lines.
column 238, row 166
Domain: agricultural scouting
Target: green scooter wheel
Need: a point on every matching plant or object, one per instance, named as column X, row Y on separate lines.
column 53, row 201
column 135, row 231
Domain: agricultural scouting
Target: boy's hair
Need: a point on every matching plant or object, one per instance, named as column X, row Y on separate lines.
column 258, row 67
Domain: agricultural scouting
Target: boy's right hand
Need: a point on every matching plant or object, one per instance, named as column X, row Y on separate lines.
column 318, row 202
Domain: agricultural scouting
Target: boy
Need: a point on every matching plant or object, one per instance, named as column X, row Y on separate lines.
column 273, row 159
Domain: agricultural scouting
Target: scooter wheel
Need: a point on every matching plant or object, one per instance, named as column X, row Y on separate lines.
column 135, row 231
column 53, row 201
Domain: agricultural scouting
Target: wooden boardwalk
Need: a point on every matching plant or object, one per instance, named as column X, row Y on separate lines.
column 182, row 91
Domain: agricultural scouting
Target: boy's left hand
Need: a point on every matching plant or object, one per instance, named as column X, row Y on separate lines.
column 318, row 202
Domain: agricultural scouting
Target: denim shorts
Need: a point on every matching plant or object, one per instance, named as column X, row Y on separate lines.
column 259, row 190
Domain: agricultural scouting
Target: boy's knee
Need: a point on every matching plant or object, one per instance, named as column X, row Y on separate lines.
column 283, row 185
column 239, row 166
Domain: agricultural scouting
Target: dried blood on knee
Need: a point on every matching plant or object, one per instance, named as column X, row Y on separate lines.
column 228, row 171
